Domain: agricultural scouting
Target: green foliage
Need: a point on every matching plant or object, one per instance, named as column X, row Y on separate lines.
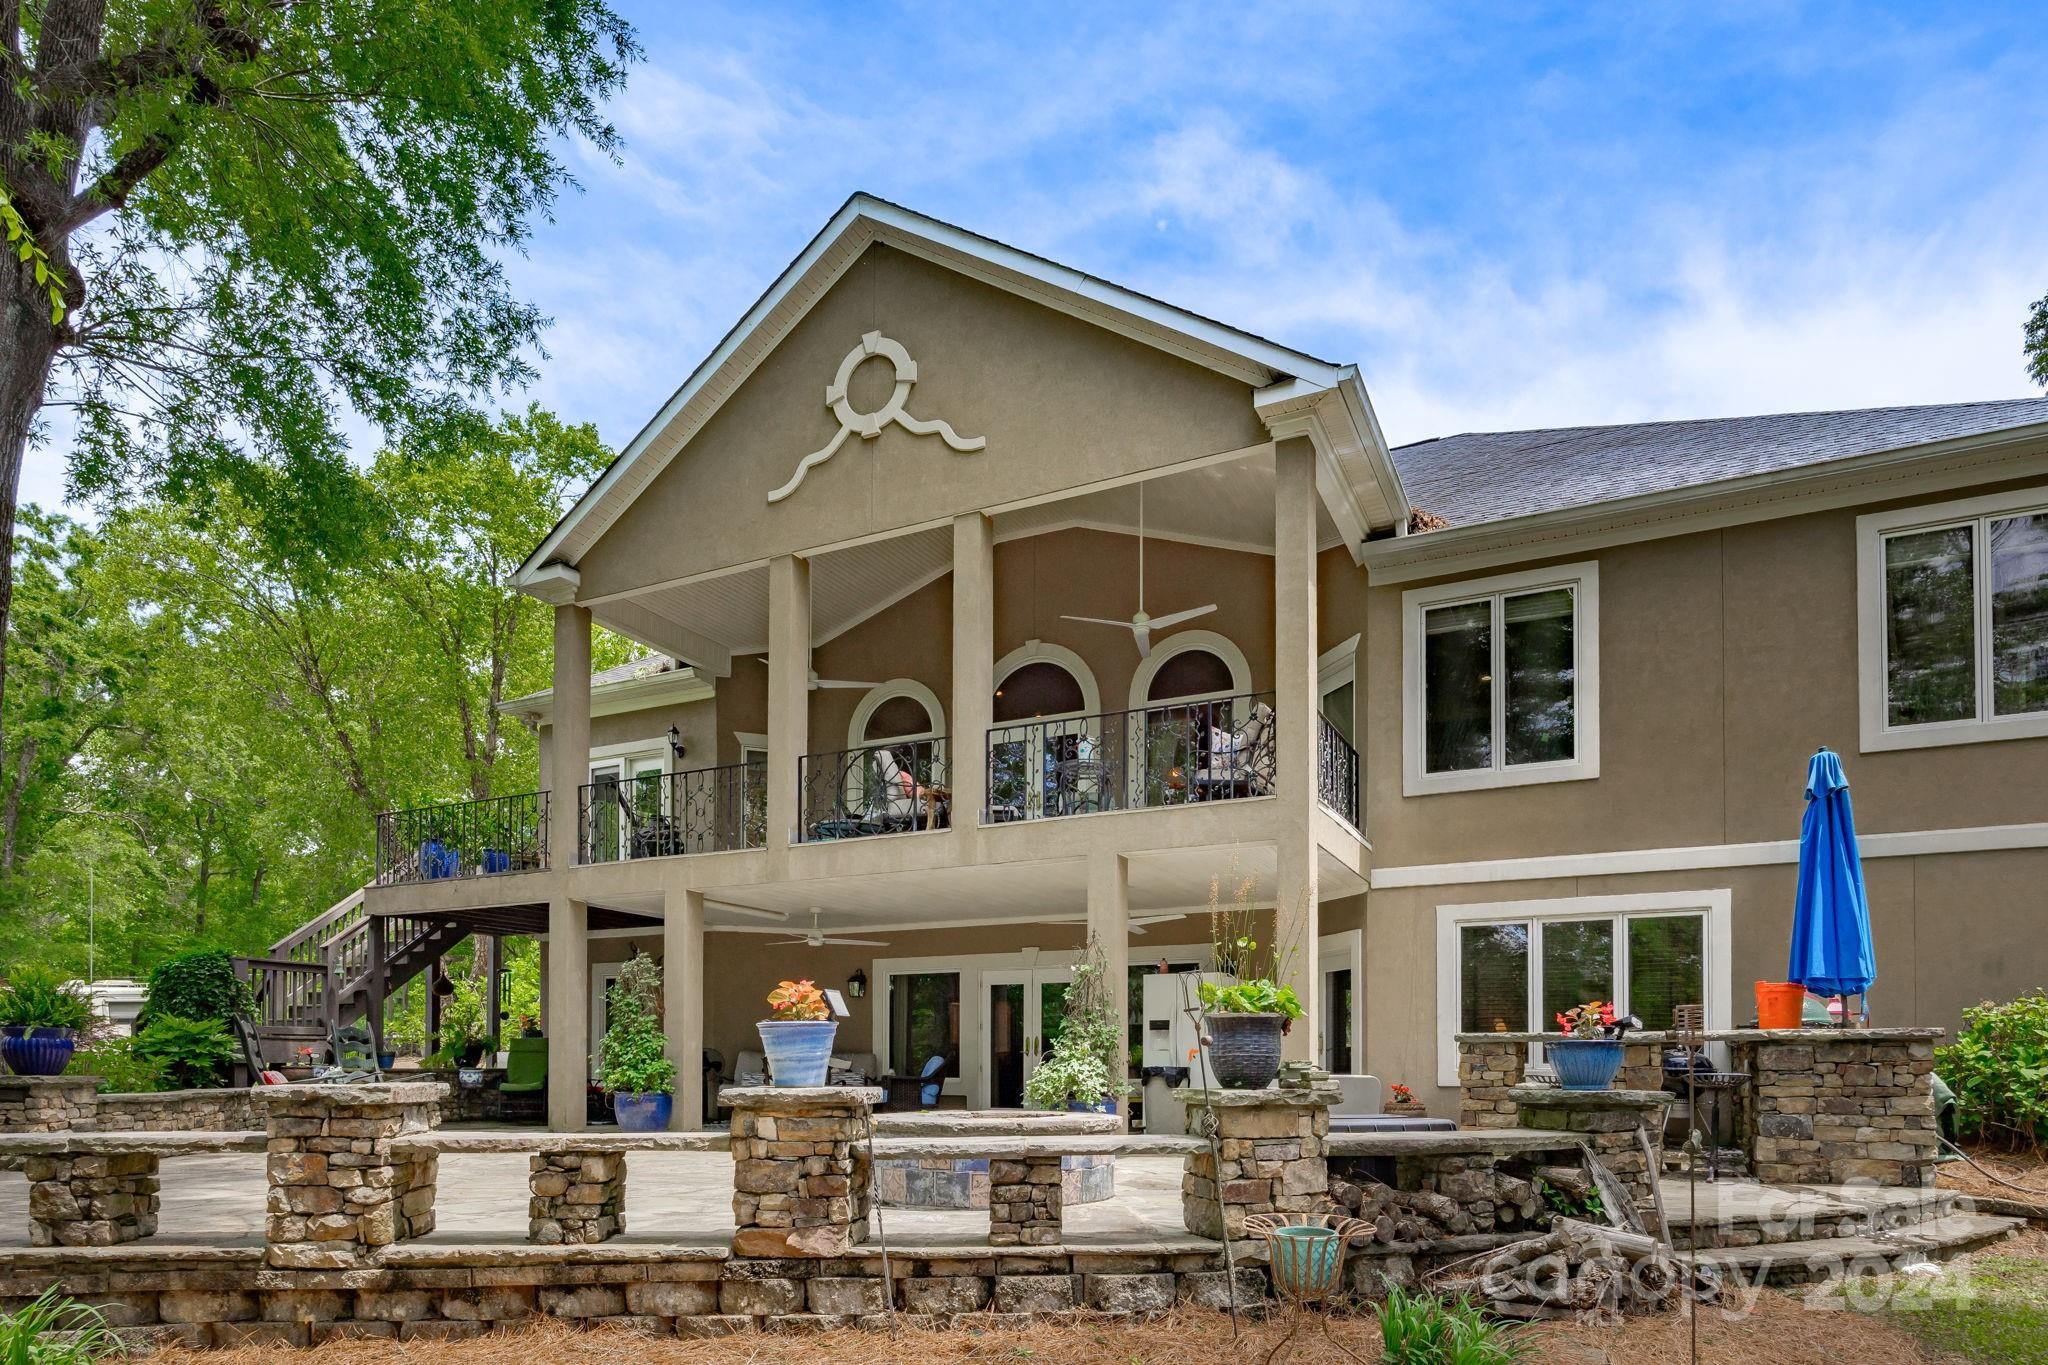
column 634, row 1056
column 1416, row 1329
column 194, row 1054
column 1251, row 997
column 197, row 985
column 54, row 1330
column 34, row 996
column 1590, row 1207
column 22, row 245
column 120, row 1070
column 521, row 998
column 1998, row 1068
column 1079, row 1069
column 1991, row 1309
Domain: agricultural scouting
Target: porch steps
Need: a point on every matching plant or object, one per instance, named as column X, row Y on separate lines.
column 1937, row 1239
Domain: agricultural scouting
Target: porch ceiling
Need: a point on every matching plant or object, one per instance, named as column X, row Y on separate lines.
column 996, row 893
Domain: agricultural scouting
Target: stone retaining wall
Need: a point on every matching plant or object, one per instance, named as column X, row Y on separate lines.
column 204, row 1296
column 1831, row 1108
column 1270, row 1156
column 48, row 1104
column 177, row 1111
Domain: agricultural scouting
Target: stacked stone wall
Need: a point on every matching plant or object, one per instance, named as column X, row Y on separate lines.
column 1827, row 1109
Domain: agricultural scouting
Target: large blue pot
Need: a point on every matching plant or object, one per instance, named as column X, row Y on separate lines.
column 1106, row 1107
column 799, row 1051
column 37, row 1051
column 1584, row 1063
column 437, row 860
column 643, row 1113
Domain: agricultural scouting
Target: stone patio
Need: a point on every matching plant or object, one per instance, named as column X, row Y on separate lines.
column 671, row 1198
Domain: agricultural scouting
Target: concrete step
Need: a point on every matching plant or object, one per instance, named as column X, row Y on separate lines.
column 1937, row 1239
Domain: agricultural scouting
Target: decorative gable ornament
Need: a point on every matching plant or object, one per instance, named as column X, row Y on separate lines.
column 868, row 425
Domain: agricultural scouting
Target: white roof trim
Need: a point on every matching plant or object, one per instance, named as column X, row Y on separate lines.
column 864, row 219
column 616, row 698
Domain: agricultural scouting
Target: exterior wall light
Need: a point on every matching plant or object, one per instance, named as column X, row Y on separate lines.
column 857, row 984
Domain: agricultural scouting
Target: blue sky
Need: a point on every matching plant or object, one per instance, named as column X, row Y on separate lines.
column 1509, row 215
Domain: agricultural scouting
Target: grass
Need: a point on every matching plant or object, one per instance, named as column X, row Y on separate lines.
column 53, row 1330
column 1994, row 1309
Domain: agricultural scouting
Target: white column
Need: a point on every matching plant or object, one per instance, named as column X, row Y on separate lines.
column 789, row 692
column 568, row 1013
column 682, row 985
column 1109, row 928
column 1294, row 774
column 569, row 733
column 974, row 610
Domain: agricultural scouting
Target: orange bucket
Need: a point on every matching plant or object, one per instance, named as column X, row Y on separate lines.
column 1780, row 1004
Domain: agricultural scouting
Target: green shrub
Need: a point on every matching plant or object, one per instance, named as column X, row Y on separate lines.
column 38, row 998
column 194, row 1054
column 120, row 1071
column 1077, row 1071
column 1416, row 1329
column 197, row 985
column 634, row 1056
column 1998, row 1067
column 53, row 1330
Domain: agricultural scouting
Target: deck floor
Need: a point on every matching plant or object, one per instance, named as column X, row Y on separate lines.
column 672, row 1198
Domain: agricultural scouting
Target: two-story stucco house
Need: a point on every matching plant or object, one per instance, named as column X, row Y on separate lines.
column 993, row 606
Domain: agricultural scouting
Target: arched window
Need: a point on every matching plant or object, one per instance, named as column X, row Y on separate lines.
column 901, row 708
column 1191, row 673
column 1045, row 708
column 1187, row 742
column 1038, row 690
column 1191, row 665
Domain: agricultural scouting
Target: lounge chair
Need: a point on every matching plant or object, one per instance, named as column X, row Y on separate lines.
column 355, row 1059
column 525, row 1086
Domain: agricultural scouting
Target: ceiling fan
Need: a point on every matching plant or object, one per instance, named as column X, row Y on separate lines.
column 1140, row 625
column 817, row 939
column 818, row 682
column 1137, row 922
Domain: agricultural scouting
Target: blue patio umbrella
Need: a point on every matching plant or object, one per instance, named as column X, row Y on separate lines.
column 1831, row 949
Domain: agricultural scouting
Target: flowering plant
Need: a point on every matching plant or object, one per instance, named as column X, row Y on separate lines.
column 1402, row 1093
column 1590, row 1020
column 798, row 1000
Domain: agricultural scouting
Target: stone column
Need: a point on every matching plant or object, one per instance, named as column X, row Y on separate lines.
column 48, row 1104
column 800, row 1169
column 568, row 1014
column 1109, row 928
column 974, row 684
column 1490, row 1066
column 789, row 693
column 1024, row 1199
column 1607, row 1122
column 1294, row 733
column 85, row 1199
column 343, row 1179
column 682, row 985
column 1273, row 1149
column 1826, row 1106
column 577, row 1196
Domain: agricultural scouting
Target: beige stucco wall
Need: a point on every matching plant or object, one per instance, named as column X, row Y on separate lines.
column 697, row 720
column 1060, row 402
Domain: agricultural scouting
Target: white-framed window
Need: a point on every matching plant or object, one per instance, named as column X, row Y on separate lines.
column 1952, row 605
column 1500, row 680
column 1513, row 966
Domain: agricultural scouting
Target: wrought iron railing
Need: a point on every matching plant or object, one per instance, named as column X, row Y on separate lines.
column 662, row 815
column 890, row 788
column 463, row 839
column 1174, row 754
column 1336, row 771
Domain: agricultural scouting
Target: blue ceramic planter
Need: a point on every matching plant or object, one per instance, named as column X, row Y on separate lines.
column 643, row 1113
column 1106, row 1107
column 799, row 1051
column 37, row 1051
column 1584, row 1063
column 496, row 860
column 437, row 860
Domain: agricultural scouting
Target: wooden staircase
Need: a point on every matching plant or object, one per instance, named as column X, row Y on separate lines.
column 324, row 973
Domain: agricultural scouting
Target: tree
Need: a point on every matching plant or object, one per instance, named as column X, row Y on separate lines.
column 232, row 224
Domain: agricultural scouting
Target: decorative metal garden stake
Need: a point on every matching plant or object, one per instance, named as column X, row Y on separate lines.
column 1306, row 1259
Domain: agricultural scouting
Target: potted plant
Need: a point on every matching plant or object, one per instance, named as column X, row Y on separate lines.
column 1401, row 1100
column 1076, row 1073
column 797, row 1034
column 1243, row 1021
column 633, row 1059
column 1588, row 1054
column 438, row 857
column 40, row 1018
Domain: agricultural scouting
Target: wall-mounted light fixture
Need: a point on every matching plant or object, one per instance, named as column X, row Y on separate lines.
column 857, row 984
column 675, row 741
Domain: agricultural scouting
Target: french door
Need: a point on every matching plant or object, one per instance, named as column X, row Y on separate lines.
column 1026, row 1009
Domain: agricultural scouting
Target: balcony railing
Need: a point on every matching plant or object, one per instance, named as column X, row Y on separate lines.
column 890, row 788
column 463, row 839
column 1174, row 754
column 662, row 815
column 1336, row 771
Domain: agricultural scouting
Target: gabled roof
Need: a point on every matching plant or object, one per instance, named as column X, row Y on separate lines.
column 1325, row 399
column 1493, row 476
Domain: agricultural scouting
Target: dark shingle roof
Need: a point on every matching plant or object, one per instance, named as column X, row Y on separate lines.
column 1490, row 476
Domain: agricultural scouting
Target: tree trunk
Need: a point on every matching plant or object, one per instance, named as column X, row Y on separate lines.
column 27, row 345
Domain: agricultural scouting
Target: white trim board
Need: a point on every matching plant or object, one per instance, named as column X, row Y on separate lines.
column 1717, row 904
column 1701, row 857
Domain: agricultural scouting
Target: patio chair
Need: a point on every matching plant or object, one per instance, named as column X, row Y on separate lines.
column 355, row 1059
column 525, row 1086
column 1240, row 761
column 920, row 1091
column 898, row 801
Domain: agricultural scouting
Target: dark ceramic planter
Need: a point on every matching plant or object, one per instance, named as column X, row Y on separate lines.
column 643, row 1113
column 37, row 1051
column 1244, row 1049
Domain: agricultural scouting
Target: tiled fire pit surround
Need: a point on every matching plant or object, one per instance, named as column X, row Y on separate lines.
column 1821, row 1106
column 963, row 1182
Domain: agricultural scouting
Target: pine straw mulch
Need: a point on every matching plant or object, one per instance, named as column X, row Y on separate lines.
column 1780, row 1330
column 2029, row 1169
